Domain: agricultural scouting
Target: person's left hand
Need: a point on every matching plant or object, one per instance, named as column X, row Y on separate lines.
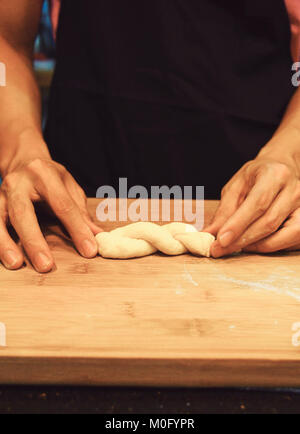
column 286, row 238
column 259, row 209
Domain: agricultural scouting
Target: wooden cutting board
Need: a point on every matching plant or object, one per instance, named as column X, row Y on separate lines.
column 157, row 320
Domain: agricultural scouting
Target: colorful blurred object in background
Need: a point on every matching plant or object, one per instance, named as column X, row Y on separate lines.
column 44, row 55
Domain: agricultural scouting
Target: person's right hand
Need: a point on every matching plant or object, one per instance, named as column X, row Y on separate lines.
column 42, row 179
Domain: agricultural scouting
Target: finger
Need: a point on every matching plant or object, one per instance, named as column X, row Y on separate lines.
column 287, row 238
column 257, row 202
column 93, row 226
column 262, row 227
column 79, row 197
column 23, row 218
column 231, row 199
column 10, row 254
column 69, row 214
column 217, row 251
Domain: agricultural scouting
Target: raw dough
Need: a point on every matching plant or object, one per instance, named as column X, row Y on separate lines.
column 145, row 238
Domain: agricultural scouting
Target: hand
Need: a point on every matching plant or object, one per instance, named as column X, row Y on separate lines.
column 42, row 180
column 254, row 204
column 286, row 238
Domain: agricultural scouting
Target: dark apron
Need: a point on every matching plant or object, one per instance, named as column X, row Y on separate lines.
column 167, row 92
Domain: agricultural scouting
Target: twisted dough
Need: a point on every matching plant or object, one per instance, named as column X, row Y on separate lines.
column 145, row 238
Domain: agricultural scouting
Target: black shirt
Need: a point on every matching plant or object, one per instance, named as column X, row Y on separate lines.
column 174, row 92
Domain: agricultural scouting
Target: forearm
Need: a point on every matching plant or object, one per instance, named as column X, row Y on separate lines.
column 285, row 144
column 20, row 107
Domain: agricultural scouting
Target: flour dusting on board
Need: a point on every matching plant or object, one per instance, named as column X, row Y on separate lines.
column 286, row 283
column 273, row 283
column 187, row 276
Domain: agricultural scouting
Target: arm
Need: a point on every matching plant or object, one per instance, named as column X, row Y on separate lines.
column 260, row 205
column 285, row 144
column 20, row 120
column 29, row 174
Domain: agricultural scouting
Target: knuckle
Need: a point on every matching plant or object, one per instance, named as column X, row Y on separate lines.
column 4, row 212
column 64, row 206
column 247, row 165
column 81, row 195
column 33, row 244
column 61, row 167
column 262, row 203
column 249, row 168
column 30, row 243
column 282, row 171
column 9, row 182
column 219, row 216
column 4, row 216
column 37, row 166
column 85, row 212
column 16, row 207
column 272, row 223
column 224, row 191
column 82, row 192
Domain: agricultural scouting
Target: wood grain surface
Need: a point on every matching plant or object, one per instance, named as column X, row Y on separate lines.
column 154, row 321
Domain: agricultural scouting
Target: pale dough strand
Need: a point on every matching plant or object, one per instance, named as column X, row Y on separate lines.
column 144, row 238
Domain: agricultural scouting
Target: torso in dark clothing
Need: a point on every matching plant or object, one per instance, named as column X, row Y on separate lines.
column 167, row 92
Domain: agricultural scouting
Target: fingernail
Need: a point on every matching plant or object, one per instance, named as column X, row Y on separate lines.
column 89, row 248
column 215, row 250
column 226, row 238
column 10, row 258
column 42, row 261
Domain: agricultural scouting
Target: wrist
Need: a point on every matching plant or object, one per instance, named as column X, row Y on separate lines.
column 20, row 148
column 283, row 147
